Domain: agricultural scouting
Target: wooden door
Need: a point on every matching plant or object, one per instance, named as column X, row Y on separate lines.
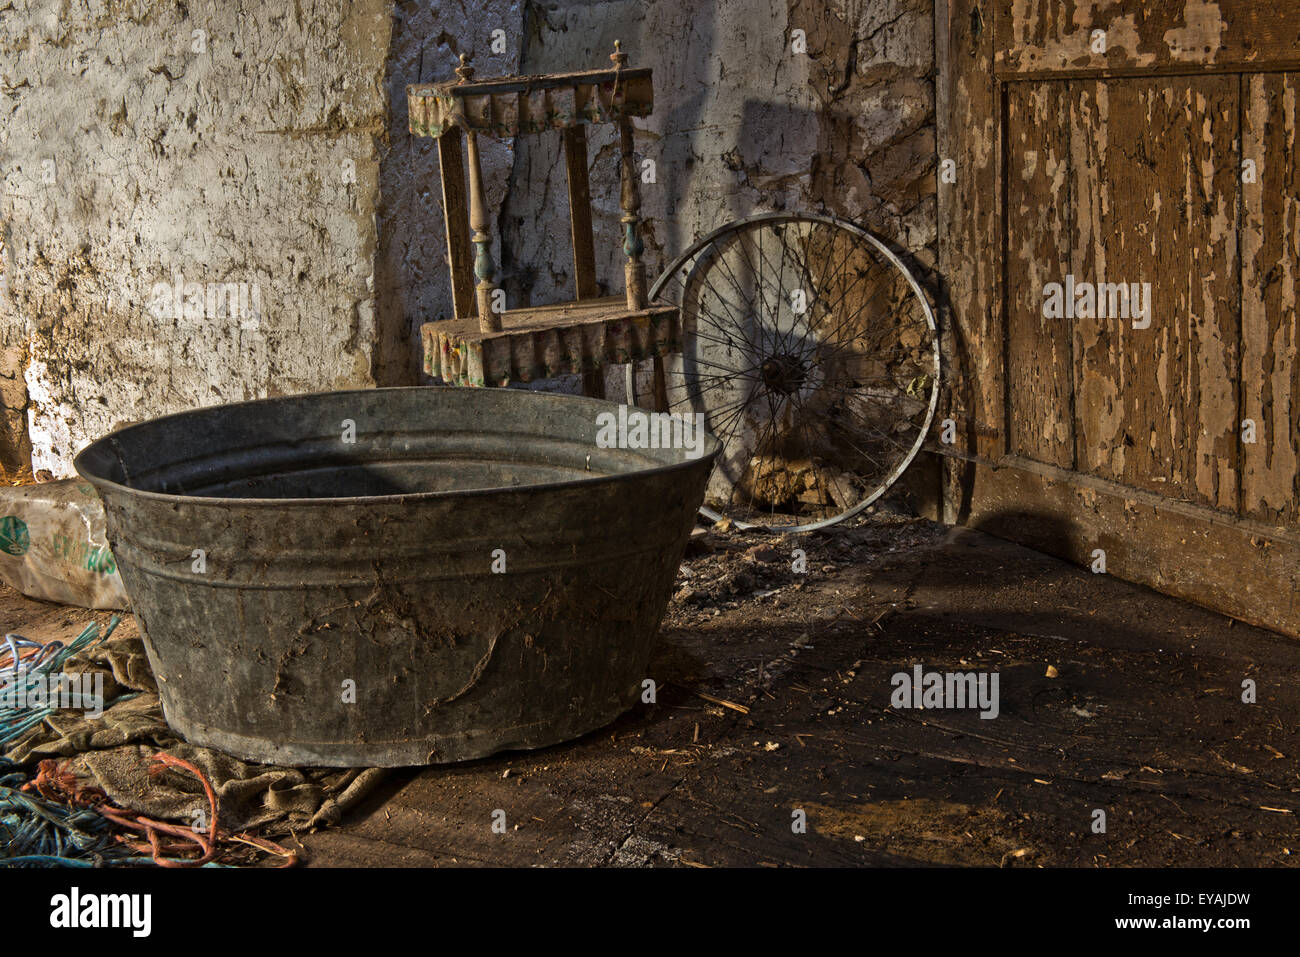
column 1119, row 233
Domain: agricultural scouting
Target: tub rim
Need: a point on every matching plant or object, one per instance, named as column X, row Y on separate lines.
column 713, row 447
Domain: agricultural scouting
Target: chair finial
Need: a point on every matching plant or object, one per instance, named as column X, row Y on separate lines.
column 465, row 71
column 618, row 56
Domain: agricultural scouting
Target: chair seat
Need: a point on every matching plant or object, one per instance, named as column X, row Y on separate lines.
column 541, row 342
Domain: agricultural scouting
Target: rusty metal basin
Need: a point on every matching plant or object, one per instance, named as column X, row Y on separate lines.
column 394, row 576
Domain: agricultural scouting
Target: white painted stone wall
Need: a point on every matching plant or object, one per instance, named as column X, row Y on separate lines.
column 139, row 144
column 742, row 125
column 142, row 142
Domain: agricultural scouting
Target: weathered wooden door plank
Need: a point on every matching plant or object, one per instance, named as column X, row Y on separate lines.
column 969, row 231
column 1156, row 179
column 1039, row 197
column 1270, row 243
column 1241, row 568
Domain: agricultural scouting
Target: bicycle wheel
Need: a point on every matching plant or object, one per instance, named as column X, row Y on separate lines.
column 812, row 354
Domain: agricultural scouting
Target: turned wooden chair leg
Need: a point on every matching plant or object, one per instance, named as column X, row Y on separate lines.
column 633, row 269
column 484, row 268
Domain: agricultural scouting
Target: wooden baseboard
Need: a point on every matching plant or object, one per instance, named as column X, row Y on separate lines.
column 1243, row 569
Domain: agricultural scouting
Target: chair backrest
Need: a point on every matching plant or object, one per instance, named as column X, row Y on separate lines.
column 519, row 105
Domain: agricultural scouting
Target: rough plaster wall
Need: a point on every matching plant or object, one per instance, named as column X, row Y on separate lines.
column 254, row 159
column 741, row 125
column 279, row 156
column 412, row 281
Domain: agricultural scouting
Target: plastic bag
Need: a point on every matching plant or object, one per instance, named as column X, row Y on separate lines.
column 53, row 545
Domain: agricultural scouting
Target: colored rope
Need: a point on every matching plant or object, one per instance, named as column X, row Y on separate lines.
column 35, row 831
column 165, row 842
column 25, row 672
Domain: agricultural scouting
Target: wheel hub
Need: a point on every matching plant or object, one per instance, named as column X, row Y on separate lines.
column 783, row 373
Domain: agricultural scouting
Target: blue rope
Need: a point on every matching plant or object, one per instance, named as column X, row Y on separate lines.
column 17, row 642
column 24, row 676
column 35, row 832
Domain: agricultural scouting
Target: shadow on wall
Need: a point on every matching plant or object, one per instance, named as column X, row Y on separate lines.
column 720, row 153
column 537, row 252
column 759, row 154
column 738, row 128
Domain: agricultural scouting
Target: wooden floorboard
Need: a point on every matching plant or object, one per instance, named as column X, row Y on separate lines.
column 775, row 709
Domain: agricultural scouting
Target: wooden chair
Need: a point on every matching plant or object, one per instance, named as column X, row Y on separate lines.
column 483, row 346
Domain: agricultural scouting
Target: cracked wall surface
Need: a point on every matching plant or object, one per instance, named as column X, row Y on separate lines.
column 742, row 125
column 154, row 142
column 146, row 143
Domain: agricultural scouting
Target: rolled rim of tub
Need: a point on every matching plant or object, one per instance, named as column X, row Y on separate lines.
column 89, row 461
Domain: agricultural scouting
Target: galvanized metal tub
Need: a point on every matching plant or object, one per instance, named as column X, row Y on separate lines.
column 471, row 573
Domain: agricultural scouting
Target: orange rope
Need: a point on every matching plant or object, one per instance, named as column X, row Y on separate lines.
column 165, row 840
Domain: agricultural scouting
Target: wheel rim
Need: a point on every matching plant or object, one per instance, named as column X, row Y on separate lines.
column 813, row 355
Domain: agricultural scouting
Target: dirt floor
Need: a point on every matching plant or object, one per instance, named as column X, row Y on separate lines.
column 773, row 705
